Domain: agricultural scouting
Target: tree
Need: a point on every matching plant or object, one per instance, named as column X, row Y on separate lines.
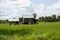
column 48, row 19
column 21, row 20
column 54, row 18
column 34, row 15
column 41, row 19
column 58, row 18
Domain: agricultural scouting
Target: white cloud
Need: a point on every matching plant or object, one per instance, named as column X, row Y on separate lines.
column 55, row 8
column 58, row 1
column 20, row 7
column 17, row 3
column 40, row 10
column 15, row 7
column 44, row 10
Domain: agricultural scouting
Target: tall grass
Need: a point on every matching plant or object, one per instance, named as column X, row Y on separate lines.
column 41, row 31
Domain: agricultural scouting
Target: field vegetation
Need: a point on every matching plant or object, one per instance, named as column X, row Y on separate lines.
column 40, row 31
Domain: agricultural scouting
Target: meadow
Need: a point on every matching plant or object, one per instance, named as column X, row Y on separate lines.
column 40, row 31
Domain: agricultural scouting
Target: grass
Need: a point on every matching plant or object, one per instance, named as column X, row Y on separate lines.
column 40, row 31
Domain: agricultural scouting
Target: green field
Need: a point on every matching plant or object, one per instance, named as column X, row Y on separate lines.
column 40, row 31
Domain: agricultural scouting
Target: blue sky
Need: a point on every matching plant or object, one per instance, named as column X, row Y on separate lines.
column 47, row 2
column 18, row 8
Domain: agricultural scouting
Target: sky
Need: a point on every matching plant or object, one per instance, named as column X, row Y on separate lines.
column 17, row 8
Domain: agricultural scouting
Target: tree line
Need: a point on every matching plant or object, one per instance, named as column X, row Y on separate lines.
column 52, row 18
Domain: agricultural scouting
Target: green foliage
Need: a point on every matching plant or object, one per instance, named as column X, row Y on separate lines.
column 20, row 32
column 58, row 18
column 20, row 20
column 40, row 31
column 2, row 37
column 34, row 15
column 3, row 21
column 52, row 18
column 48, row 19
